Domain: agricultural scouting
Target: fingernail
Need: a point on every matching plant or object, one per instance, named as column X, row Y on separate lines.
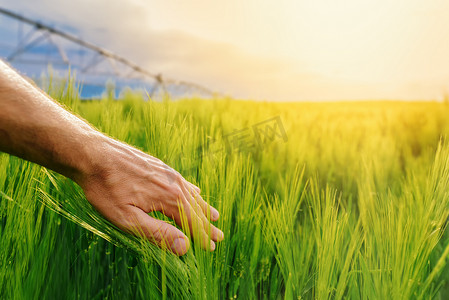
column 212, row 246
column 215, row 214
column 179, row 246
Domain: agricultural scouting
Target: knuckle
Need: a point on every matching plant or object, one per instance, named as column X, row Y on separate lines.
column 129, row 222
column 161, row 233
column 194, row 187
column 148, row 175
column 127, row 216
column 179, row 178
column 157, row 236
column 175, row 191
column 173, row 176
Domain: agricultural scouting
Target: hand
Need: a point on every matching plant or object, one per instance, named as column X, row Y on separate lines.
column 127, row 184
column 121, row 182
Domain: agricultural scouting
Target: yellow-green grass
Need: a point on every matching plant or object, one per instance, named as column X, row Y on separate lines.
column 354, row 204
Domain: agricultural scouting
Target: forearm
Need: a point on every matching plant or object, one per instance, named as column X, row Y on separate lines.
column 121, row 182
column 34, row 127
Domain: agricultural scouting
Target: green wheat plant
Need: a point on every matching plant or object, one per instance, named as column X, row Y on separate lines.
column 353, row 203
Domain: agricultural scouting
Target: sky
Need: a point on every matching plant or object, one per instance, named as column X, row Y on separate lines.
column 282, row 50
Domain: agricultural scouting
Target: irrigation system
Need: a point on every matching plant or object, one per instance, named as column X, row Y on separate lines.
column 88, row 60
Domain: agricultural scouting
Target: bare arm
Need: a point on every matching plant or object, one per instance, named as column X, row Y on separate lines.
column 121, row 182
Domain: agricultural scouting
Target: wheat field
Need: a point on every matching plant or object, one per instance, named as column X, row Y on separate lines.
column 317, row 201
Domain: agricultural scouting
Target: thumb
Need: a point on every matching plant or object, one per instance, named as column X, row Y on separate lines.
column 161, row 233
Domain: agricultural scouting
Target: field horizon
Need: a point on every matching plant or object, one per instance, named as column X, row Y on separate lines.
column 318, row 200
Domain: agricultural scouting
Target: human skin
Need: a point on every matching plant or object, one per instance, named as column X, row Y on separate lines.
column 123, row 183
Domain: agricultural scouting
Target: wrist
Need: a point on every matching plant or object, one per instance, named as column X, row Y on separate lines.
column 90, row 157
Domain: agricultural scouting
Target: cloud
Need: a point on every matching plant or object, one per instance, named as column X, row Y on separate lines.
column 123, row 27
column 176, row 54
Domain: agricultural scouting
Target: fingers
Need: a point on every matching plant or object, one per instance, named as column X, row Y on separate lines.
column 213, row 232
column 187, row 217
column 159, row 232
column 195, row 199
column 205, row 207
column 194, row 187
column 191, row 189
column 186, row 207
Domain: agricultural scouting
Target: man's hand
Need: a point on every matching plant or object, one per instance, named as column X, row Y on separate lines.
column 126, row 184
column 121, row 182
